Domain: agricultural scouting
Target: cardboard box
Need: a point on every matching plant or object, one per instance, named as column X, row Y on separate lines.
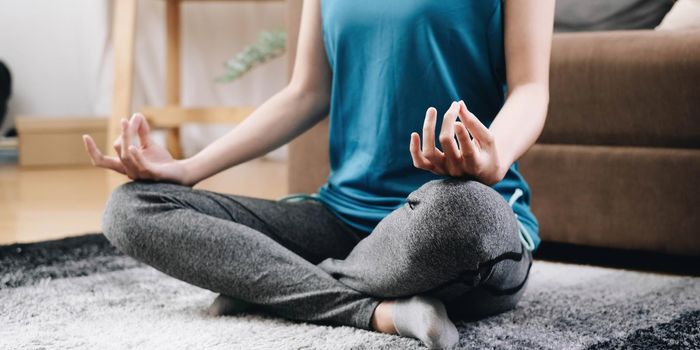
column 58, row 140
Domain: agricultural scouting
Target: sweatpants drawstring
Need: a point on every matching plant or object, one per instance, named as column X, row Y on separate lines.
column 298, row 197
column 525, row 236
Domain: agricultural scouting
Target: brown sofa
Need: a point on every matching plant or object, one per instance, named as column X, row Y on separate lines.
column 618, row 164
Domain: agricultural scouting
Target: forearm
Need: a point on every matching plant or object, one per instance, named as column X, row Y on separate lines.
column 277, row 121
column 519, row 123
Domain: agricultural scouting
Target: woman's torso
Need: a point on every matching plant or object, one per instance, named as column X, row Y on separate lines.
column 391, row 60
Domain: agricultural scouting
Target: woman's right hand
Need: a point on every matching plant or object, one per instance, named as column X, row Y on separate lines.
column 145, row 161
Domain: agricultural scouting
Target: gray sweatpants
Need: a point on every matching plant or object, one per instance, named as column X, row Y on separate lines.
column 454, row 240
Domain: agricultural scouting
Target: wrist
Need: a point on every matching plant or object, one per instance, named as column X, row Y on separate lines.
column 497, row 173
column 502, row 170
column 503, row 163
column 189, row 177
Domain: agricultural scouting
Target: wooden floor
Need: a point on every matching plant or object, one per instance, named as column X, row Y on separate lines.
column 49, row 203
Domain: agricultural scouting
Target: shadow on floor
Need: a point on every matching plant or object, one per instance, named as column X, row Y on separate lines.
column 619, row 258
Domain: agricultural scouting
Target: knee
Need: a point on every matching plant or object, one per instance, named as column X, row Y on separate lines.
column 121, row 218
column 468, row 216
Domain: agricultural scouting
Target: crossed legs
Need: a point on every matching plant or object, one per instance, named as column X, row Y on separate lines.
column 457, row 242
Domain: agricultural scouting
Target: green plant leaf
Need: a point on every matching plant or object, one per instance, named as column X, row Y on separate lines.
column 269, row 45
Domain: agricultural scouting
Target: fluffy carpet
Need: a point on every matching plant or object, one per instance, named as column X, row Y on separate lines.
column 81, row 293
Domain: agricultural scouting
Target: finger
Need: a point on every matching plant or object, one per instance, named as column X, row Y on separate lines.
column 142, row 128
column 125, row 139
column 447, row 135
column 98, row 159
column 477, row 129
column 132, row 127
column 131, row 132
column 125, row 155
column 430, row 152
column 466, row 145
column 92, row 150
column 419, row 161
column 117, row 145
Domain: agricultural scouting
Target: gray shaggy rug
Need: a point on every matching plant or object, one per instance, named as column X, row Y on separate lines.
column 81, row 293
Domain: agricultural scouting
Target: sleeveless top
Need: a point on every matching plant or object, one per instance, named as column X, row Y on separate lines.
column 391, row 60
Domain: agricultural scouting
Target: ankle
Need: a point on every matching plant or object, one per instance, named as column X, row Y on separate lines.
column 426, row 319
column 383, row 317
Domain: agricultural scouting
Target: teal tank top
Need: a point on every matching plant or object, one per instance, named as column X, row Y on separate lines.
column 391, row 60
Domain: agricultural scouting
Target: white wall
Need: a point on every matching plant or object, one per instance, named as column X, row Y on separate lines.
column 61, row 57
column 53, row 49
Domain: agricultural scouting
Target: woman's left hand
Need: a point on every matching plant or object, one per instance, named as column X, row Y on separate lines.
column 474, row 156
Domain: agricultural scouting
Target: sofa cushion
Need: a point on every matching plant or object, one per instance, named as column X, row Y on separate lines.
column 618, row 197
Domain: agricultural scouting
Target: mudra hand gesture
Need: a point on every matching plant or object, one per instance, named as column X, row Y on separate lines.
column 472, row 154
column 142, row 160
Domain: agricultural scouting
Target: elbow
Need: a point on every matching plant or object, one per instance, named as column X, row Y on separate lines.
column 313, row 100
column 544, row 97
column 541, row 98
column 309, row 89
column 535, row 93
column 307, row 92
column 534, row 97
column 545, row 103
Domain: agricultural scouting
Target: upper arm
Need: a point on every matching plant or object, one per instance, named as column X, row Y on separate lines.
column 311, row 72
column 528, row 39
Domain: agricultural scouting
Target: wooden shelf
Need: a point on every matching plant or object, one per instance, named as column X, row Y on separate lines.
column 174, row 116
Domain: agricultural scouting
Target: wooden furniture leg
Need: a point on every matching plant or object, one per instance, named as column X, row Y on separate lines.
column 123, row 31
column 172, row 71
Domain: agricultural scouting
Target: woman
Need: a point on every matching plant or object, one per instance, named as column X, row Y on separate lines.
column 403, row 233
